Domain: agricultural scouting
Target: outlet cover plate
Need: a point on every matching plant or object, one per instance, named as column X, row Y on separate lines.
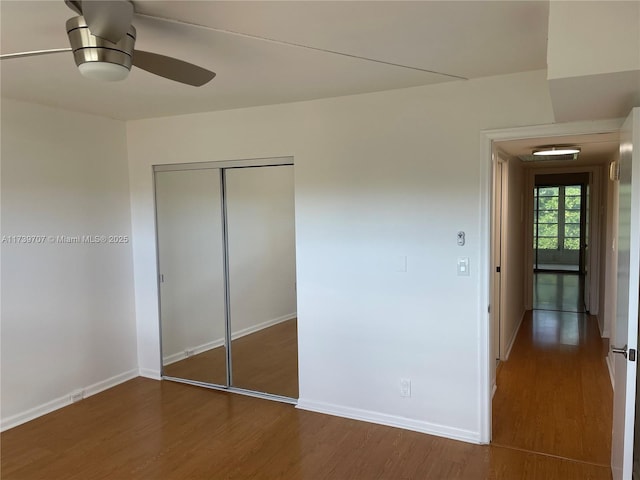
column 405, row 387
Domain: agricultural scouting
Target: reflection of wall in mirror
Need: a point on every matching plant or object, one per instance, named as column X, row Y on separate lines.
column 190, row 246
column 262, row 262
column 261, row 248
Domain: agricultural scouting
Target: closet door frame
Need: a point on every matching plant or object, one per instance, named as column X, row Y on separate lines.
column 222, row 166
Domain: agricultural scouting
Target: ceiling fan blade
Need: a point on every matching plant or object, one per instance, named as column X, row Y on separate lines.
column 33, row 53
column 108, row 19
column 74, row 5
column 172, row 68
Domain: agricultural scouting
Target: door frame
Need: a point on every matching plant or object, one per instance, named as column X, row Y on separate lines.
column 498, row 195
column 222, row 167
column 487, row 139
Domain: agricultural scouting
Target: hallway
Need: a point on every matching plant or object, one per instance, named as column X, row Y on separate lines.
column 554, row 393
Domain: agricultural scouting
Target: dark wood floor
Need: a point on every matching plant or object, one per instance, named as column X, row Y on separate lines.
column 265, row 361
column 145, row 429
column 554, row 393
column 551, row 414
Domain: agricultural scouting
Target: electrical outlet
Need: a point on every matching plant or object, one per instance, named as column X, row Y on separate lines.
column 188, row 352
column 405, row 387
column 77, row 396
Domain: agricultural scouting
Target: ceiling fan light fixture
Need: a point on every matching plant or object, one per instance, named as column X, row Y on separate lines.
column 556, row 150
column 105, row 71
column 107, row 53
column 98, row 58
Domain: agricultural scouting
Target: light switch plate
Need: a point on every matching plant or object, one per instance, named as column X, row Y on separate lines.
column 463, row 266
column 401, row 263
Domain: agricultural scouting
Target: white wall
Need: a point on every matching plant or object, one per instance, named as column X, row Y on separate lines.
column 67, row 311
column 513, row 270
column 262, row 260
column 593, row 58
column 379, row 177
column 587, row 38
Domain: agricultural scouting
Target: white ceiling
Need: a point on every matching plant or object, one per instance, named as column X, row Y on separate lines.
column 596, row 149
column 402, row 43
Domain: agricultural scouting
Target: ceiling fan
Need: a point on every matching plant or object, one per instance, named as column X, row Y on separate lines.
column 102, row 40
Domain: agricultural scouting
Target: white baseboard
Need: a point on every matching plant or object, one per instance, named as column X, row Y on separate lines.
column 150, row 373
column 599, row 327
column 598, row 323
column 110, row 382
column 390, row 420
column 63, row 401
column 515, row 335
column 176, row 357
column 610, row 368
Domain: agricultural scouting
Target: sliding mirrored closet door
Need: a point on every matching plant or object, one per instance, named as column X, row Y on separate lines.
column 262, row 278
column 190, row 261
column 226, row 262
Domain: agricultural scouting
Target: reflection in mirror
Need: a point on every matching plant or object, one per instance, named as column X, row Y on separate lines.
column 261, row 253
column 190, row 261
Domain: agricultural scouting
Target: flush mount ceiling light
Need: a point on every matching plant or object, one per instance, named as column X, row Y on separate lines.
column 552, row 153
column 556, row 150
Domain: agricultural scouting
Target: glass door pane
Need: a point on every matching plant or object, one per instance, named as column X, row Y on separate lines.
column 190, row 254
column 262, row 295
column 557, row 227
column 545, row 228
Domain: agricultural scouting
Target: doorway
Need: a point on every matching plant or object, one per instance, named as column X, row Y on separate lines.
column 539, row 384
column 544, row 326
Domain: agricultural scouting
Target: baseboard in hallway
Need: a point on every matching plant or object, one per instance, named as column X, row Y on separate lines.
column 610, row 369
column 515, row 335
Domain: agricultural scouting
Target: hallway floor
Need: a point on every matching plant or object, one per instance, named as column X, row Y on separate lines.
column 558, row 291
column 554, row 393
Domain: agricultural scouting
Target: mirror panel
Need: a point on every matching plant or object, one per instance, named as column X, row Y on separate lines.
column 262, row 278
column 191, row 268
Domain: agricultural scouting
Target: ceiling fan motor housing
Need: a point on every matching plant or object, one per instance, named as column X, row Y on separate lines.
column 97, row 57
